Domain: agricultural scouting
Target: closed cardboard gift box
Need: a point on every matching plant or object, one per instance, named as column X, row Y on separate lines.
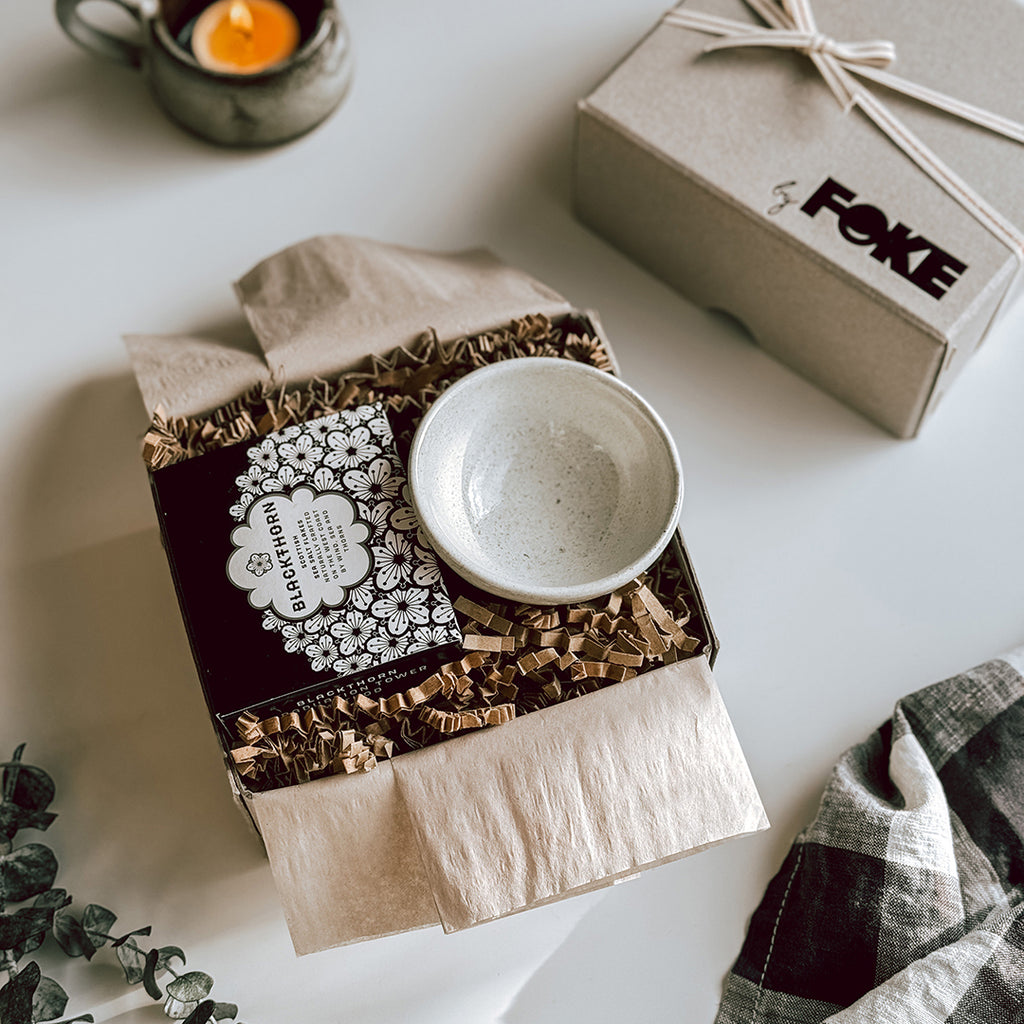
column 558, row 801
column 737, row 177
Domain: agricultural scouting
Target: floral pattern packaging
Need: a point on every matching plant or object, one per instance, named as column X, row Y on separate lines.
column 301, row 569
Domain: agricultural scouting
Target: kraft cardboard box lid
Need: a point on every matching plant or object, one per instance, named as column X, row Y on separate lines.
column 743, row 121
column 556, row 802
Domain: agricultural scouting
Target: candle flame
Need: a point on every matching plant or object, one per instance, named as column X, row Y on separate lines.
column 240, row 17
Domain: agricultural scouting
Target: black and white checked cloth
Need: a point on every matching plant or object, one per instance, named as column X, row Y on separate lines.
column 904, row 900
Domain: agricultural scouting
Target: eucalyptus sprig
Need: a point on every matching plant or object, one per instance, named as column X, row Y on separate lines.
column 27, row 873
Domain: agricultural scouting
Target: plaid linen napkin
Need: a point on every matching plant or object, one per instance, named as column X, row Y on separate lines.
column 904, row 900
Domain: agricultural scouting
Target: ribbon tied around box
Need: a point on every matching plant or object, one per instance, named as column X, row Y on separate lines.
column 792, row 26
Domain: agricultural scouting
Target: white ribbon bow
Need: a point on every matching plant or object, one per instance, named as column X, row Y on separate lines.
column 792, row 27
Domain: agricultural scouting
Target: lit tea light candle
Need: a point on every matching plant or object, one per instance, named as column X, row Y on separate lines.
column 244, row 37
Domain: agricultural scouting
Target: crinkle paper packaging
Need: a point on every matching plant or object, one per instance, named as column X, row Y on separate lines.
column 737, row 176
column 559, row 801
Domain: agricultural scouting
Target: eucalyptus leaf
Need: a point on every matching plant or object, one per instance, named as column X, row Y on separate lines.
column 138, row 931
column 167, row 954
column 133, row 960
column 178, row 1010
column 13, row 818
column 191, row 987
column 202, row 1013
column 27, row 871
column 41, row 912
column 30, row 945
column 16, row 996
column 14, row 929
column 26, row 785
column 149, row 975
column 97, row 922
column 49, row 1001
column 19, row 931
column 71, row 936
column 54, row 898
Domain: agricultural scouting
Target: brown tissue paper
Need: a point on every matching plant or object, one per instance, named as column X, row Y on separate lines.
column 558, row 801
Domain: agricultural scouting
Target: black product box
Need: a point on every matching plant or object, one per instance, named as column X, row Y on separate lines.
column 301, row 570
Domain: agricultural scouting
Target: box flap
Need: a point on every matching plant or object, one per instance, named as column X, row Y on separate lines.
column 574, row 796
column 345, row 859
column 185, row 375
column 319, row 306
column 564, row 800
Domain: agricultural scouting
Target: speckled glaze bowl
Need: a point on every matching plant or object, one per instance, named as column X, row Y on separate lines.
column 545, row 480
column 263, row 109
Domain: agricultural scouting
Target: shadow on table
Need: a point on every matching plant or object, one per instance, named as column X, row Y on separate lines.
column 111, row 703
column 655, row 948
column 107, row 118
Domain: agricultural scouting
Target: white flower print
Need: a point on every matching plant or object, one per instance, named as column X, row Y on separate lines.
column 264, row 455
column 404, row 519
column 373, row 484
column 388, row 646
column 249, row 481
column 350, row 448
column 443, row 611
column 378, row 516
column 295, row 638
column 318, row 623
column 424, row 637
column 324, row 479
column 398, row 609
column 427, row 573
column 393, row 560
column 380, row 427
column 322, row 426
column 322, row 653
column 355, row 662
column 363, row 596
column 238, row 510
column 353, row 631
column 403, row 609
column 302, row 454
column 353, row 416
column 259, row 563
column 284, row 479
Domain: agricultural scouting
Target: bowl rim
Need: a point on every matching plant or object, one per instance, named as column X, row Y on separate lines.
column 494, row 583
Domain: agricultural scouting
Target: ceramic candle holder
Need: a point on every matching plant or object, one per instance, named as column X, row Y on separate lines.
column 261, row 109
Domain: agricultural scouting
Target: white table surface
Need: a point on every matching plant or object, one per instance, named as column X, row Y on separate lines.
column 842, row 568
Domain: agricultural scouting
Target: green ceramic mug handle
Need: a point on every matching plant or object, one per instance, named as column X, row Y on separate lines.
column 105, row 44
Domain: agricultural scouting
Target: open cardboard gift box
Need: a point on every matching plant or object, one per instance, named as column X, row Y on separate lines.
column 560, row 800
column 738, row 178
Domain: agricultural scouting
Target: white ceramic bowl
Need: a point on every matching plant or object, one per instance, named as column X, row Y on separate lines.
column 545, row 481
